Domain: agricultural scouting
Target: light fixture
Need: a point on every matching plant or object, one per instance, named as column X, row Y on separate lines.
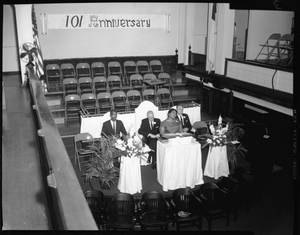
column 44, row 28
column 167, row 26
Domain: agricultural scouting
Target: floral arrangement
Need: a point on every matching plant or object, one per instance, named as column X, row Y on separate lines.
column 229, row 136
column 133, row 146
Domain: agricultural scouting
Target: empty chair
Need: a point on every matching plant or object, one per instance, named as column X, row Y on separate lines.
column 98, row 69
column 285, row 48
column 114, row 68
column 254, row 185
column 153, row 210
column 72, row 108
column 83, row 70
column 142, row 67
column 136, row 82
column 95, row 200
column 68, row 70
column 201, row 130
column 82, row 152
column 114, row 83
column 119, row 100
column 156, row 67
column 70, row 86
column 187, row 208
column 120, row 212
column 85, row 85
column 134, row 99
column 129, row 69
column 268, row 47
column 53, row 77
column 100, row 84
column 215, row 203
column 89, row 102
column 237, row 192
column 149, row 94
column 165, row 98
column 165, row 77
column 149, row 77
column 105, row 102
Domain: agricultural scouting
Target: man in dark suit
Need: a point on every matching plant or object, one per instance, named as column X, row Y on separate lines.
column 184, row 119
column 114, row 126
column 150, row 131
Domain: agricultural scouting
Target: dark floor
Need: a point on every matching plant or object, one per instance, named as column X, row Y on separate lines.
column 272, row 216
column 24, row 205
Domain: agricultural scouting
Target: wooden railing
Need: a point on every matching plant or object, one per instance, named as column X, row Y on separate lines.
column 67, row 204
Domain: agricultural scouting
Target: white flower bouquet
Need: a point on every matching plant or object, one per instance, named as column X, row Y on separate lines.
column 133, row 147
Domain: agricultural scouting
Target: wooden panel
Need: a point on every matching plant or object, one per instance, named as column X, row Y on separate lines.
column 69, row 207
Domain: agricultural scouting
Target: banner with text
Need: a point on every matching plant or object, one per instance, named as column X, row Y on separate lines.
column 105, row 21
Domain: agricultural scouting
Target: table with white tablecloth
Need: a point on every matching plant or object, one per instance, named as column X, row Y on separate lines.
column 217, row 163
column 179, row 166
column 130, row 180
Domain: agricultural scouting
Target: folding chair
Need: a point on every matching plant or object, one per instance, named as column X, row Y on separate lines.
column 72, row 108
column 82, row 152
column 129, row 69
column 143, row 67
column 270, row 45
column 149, row 76
column 83, row 70
column 100, row 84
column 114, row 83
column 89, row 102
column 114, row 68
column 53, row 77
column 98, row 69
column 119, row 100
column 136, row 82
column 166, row 78
column 68, row 70
column 202, row 131
column 85, row 85
column 156, row 67
column 164, row 97
column 285, row 49
column 105, row 102
column 70, row 86
column 149, row 95
column 134, row 99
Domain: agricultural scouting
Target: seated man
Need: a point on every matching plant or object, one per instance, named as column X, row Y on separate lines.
column 150, row 131
column 184, row 119
column 113, row 126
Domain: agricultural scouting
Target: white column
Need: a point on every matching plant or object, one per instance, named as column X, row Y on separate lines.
column 224, row 36
column 189, row 30
column 24, row 30
column 181, row 32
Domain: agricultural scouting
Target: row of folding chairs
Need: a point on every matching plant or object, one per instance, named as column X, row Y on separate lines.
column 111, row 83
column 119, row 100
column 277, row 46
column 55, row 73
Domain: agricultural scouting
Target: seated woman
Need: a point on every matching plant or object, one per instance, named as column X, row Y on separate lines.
column 171, row 125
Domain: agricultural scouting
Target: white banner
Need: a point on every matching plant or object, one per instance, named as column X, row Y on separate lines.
column 105, row 21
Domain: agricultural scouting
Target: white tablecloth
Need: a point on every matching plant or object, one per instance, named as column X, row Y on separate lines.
column 132, row 121
column 216, row 162
column 130, row 180
column 179, row 166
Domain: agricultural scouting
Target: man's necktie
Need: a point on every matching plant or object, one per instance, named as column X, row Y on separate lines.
column 181, row 119
column 114, row 126
column 151, row 125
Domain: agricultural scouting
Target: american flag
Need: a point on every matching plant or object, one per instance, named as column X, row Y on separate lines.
column 39, row 65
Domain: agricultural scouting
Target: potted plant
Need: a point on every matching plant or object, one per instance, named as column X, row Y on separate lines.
column 101, row 165
column 229, row 136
